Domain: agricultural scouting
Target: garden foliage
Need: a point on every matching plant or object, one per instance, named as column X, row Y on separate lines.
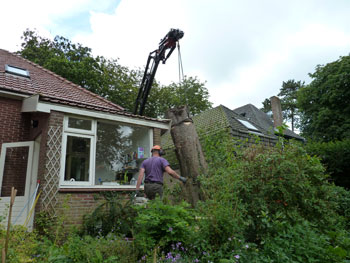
column 335, row 156
column 262, row 204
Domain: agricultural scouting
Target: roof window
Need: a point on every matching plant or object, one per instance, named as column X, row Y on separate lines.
column 17, row 71
column 248, row 125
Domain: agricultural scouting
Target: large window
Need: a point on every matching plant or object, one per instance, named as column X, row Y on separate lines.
column 103, row 154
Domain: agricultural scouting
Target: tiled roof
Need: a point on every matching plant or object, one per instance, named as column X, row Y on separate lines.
column 253, row 114
column 234, row 118
column 216, row 119
column 53, row 88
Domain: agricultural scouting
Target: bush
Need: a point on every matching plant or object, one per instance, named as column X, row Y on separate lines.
column 22, row 244
column 159, row 226
column 336, row 158
column 256, row 193
column 303, row 242
column 115, row 214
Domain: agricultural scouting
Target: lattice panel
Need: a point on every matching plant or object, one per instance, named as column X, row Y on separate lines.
column 52, row 175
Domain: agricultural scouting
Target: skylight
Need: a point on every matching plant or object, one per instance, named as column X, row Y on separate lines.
column 248, row 125
column 17, row 71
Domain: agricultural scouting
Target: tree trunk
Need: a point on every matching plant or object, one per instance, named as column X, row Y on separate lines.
column 188, row 152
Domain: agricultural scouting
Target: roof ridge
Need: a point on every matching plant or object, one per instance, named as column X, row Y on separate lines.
column 67, row 81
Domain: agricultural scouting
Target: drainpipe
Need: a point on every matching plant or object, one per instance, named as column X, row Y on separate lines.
column 276, row 111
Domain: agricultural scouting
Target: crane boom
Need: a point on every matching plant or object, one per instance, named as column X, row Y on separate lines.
column 166, row 47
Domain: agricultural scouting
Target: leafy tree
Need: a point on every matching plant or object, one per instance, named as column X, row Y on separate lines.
column 109, row 79
column 325, row 102
column 71, row 61
column 76, row 63
column 191, row 91
column 288, row 95
column 335, row 156
column 266, row 105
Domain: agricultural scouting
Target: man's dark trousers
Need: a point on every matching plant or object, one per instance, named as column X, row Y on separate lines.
column 153, row 189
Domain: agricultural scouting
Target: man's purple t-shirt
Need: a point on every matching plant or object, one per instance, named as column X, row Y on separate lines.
column 154, row 168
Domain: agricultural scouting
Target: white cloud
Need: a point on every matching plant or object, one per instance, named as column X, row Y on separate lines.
column 244, row 49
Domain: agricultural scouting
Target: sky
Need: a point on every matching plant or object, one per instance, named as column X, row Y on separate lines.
column 242, row 50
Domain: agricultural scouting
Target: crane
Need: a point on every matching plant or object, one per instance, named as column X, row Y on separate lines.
column 166, row 47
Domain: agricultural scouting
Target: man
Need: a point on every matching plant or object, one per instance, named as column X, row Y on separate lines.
column 154, row 168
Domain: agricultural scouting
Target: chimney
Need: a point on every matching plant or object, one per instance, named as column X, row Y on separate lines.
column 276, row 111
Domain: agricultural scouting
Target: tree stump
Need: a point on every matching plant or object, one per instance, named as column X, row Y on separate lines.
column 188, row 152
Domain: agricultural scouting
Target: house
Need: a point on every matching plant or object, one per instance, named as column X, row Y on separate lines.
column 247, row 124
column 61, row 141
column 222, row 118
column 259, row 117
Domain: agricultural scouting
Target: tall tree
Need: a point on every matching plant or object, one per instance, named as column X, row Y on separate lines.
column 325, row 102
column 288, row 94
column 71, row 61
column 109, row 79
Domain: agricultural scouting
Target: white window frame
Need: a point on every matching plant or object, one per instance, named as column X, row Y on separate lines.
column 80, row 131
column 92, row 134
column 90, row 182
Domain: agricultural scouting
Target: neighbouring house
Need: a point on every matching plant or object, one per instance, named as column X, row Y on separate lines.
column 60, row 140
column 247, row 124
column 263, row 120
column 222, row 118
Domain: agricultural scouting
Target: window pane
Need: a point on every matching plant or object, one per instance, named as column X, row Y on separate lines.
column 79, row 124
column 17, row 71
column 15, row 170
column 77, row 159
column 120, row 150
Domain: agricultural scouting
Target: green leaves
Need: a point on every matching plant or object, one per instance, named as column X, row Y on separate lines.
column 288, row 95
column 109, row 79
column 190, row 92
column 162, row 225
column 271, row 197
column 325, row 102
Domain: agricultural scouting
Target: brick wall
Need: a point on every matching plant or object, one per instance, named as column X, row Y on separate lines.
column 14, row 125
column 39, row 122
column 73, row 206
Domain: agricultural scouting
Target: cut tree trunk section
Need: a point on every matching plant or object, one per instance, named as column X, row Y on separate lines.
column 188, row 152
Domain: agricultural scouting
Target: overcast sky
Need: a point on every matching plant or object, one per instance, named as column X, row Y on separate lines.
column 244, row 50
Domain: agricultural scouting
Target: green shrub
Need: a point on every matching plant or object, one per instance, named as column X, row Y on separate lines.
column 21, row 244
column 256, row 193
column 162, row 225
column 87, row 249
column 115, row 214
column 336, row 158
column 303, row 243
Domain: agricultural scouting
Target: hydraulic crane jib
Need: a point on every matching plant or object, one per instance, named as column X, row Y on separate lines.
column 167, row 43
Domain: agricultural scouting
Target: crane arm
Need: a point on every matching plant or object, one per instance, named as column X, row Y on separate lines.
column 165, row 49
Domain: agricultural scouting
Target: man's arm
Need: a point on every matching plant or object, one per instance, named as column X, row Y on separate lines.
column 139, row 180
column 174, row 174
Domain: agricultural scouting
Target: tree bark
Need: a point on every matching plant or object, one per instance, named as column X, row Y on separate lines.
column 188, row 152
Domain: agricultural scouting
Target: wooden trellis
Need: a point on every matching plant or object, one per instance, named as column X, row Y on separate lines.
column 53, row 165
